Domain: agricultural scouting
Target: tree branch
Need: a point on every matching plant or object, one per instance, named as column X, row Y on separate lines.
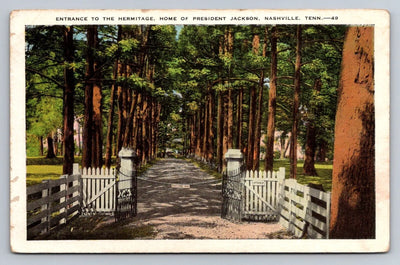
column 45, row 76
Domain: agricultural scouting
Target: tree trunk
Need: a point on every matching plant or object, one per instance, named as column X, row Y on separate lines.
column 282, row 139
column 220, row 131
column 269, row 155
column 109, row 136
column 239, row 119
column 50, row 147
column 251, row 129
column 321, row 156
column 309, row 161
column 121, row 110
column 88, row 117
column 129, row 122
column 97, row 146
column 68, row 104
column 41, row 145
column 353, row 176
column 210, row 134
column 296, row 103
column 256, row 162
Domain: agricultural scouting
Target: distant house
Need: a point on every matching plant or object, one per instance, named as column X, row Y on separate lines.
column 279, row 146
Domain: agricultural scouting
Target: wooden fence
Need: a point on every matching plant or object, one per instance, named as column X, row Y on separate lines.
column 51, row 203
column 304, row 210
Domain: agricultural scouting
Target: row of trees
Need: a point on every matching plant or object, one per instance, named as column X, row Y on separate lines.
column 244, row 83
column 110, row 75
column 239, row 84
column 213, row 88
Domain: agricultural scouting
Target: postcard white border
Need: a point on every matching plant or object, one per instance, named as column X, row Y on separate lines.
column 18, row 20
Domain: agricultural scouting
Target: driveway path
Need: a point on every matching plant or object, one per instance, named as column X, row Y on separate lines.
column 192, row 212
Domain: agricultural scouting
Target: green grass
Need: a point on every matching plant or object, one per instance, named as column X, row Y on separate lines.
column 35, row 174
column 40, row 168
column 324, row 171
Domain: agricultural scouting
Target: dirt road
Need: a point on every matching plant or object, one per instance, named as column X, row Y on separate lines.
column 170, row 200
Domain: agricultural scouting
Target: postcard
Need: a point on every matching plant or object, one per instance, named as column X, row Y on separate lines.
column 199, row 131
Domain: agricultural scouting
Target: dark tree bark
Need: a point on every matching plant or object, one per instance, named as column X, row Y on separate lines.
column 121, row 110
column 322, row 150
column 311, row 143
column 296, row 103
column 50, row 147
column 353, row 176
column 41, row 145
column 68, row 103
column 220, row 131
column 239, row 119
column 210, row 133
column 88, row 117
column 256, row 159
column 109, row 136
column 252, row 113
column 251, row 128
column 269, row 155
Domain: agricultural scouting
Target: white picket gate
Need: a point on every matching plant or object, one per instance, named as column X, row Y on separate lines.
column 99, row 191
column 268, row 196
column 260, row 194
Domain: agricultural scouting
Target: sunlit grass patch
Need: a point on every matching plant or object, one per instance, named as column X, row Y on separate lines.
column 324, row 171
column 35, row 174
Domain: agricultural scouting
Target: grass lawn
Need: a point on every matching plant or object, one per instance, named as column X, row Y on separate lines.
column 36, row 173
column 39, row 168
column 324, row 171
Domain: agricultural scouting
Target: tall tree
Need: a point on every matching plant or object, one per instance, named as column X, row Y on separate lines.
column 257, row 135
column 353, row 180
column 269, row 154
column 88, row 106
column 296, row 105
column 97, row 129
column 68, row 109
column 309, row 161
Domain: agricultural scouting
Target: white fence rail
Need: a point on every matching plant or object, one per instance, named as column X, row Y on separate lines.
column 299, row 208
column 51, row 203
column 304, row 210
column 55, row 202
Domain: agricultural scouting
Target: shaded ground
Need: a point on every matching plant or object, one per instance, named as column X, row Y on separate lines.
column 166, row 212
column 184, row 213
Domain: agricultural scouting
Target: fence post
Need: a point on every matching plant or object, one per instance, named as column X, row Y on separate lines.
column 63, row 188
column 46, row 206
column 234, row 160
column 127, row 168
column 126, row 181
column 75, row 171
column 328, row 215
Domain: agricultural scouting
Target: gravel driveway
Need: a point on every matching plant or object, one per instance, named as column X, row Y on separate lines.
column 184, row 212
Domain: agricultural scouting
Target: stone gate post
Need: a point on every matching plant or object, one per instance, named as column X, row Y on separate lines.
column 127, row 165
column 234, row 160
column 126, row 185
